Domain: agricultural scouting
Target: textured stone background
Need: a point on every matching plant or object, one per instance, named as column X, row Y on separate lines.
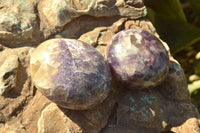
column 26, row 23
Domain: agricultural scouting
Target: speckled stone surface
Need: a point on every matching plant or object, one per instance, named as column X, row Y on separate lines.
column 71, row 73
column 138, row 58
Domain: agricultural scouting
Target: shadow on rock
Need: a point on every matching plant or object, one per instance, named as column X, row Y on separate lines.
column 154, row 110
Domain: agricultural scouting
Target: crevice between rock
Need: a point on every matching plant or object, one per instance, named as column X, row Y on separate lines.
column 112, row 120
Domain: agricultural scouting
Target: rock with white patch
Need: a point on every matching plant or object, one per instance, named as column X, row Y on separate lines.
column 8, row 70
column 58, row 13
column 18, row 23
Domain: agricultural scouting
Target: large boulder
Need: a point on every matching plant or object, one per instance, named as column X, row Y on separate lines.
column 23, row 109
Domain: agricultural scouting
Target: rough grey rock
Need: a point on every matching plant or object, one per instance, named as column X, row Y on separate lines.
column 19, row 23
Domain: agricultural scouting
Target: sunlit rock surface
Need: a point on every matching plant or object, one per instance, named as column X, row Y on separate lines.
column 8, row 70
column 23, row 109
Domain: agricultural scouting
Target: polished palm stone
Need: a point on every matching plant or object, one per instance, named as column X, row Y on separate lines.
column 71, row 73
column 137, row 58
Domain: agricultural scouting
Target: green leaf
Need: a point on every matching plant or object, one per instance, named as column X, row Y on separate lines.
column 170, row 22
column 169, row 8
column 195, row 4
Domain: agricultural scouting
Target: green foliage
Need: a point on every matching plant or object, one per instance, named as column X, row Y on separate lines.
column 195, row 4
column 194, row 90
column 169, row 8
column 171, row 24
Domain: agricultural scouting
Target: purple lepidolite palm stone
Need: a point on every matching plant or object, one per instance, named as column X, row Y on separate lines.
column 71, row 73
column 137, row 58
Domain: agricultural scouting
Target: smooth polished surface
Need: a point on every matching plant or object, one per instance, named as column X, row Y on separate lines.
column 138, row 58
column 71, row 73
